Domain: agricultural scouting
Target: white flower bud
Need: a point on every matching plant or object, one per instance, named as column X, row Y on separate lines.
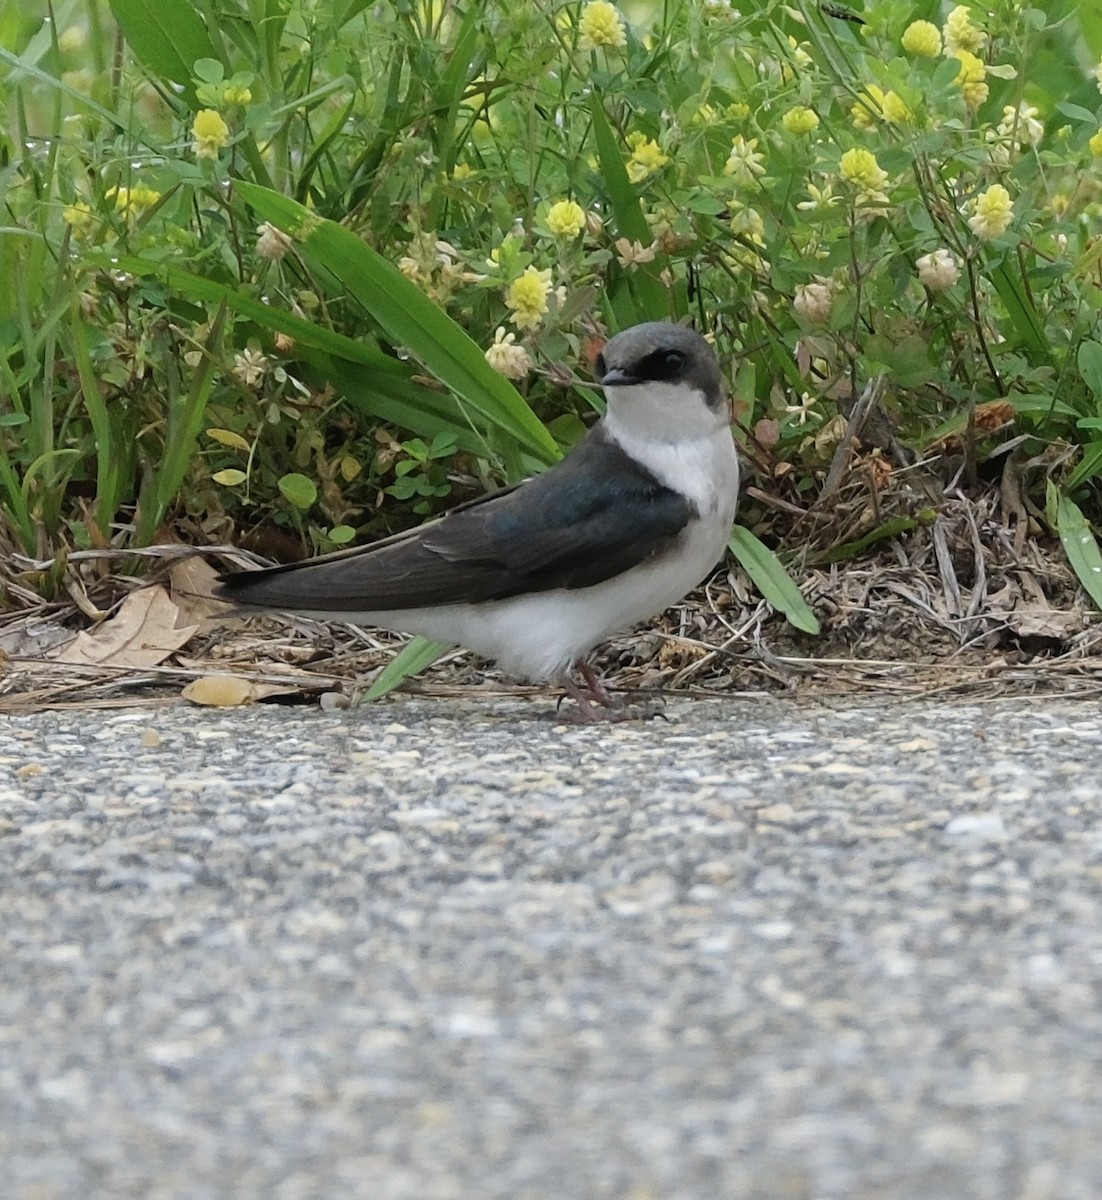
column 938, row 271
column 812, row 301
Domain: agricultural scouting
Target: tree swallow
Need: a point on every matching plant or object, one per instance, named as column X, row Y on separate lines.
column 536, row 574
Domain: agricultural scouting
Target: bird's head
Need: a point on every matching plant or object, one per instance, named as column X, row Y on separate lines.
column 663, row 381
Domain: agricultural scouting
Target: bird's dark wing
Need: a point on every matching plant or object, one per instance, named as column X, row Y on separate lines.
column 591, row 516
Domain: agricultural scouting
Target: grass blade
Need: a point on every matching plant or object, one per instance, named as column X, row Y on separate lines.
column 409, row 317
column 651, row 302
column 771, row 579
column 410, row 660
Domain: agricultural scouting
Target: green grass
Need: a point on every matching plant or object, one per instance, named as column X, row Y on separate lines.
column 166, row 358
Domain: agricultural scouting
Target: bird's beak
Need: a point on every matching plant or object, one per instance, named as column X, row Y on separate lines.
column 618, row 377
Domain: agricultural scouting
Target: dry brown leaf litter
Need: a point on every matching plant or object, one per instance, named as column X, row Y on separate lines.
column 964, row 603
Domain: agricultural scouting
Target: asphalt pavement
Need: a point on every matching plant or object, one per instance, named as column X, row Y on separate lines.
column 440, row 949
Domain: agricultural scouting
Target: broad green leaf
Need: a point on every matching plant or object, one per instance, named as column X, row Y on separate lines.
column 341, row 535
column 166, row 38
column 300, row 490
column 771, row 579
column 409, row 317
column 1079, row 543
column 411, row 660
column 1089, row 359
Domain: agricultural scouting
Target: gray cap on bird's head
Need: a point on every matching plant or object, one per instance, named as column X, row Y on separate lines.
column 660, row 352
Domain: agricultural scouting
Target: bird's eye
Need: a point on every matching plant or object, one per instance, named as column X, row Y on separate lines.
column 673, row 361
column 599, row 366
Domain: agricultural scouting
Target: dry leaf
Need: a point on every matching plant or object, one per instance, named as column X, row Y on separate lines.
column 228, row 691
column 219, row 691
column 1029, row 620
column 767, row 432
column 192, row 582
column 142, row 633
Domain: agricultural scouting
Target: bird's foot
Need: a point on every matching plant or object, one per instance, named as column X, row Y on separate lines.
column 595, row 704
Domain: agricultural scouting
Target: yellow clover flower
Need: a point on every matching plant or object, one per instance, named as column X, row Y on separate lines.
column 132, row 201
column 566, row 219
column 79, row 216
column 971, row 78
column 1095, row 145
column 601, row 25
column 860, row 166
column 800, row 120
column 960, row 33
column 868, row 107
column 923, row 39
column 877, row 103
column 526, row 297
column 896, row 110
column 992, row 212
column 646, row 157
column 210, row 133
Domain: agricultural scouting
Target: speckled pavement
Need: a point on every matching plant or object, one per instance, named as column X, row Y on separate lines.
column 439, row 950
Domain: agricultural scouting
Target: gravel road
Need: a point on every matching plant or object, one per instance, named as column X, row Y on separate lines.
column 439, row 950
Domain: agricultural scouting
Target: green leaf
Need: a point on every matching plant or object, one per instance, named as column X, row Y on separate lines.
column 300, row 490
column 1023, row 316
column 341, row 535
column 1076, row 112
column 1089, row 359
column 409, row 317
column 167, row 39
column 889, row 529
column 771, row 579
column 411, row 660
column 651, row 301
column 1079, row 543
column 1087, row 467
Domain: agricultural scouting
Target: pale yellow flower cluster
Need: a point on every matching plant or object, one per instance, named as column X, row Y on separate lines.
column 646, row 157
column 971, row 78
column 744, row 164
column 859, row 166
column 506, row 357
column 601, row 25
column 79, row 216
column 565, row 218
column 133, row 200
column 992, row 212
column 876, row 103
column 800, row 120
column 961, row 34
column 526, row 297
column 209, row 133
column 923, row 39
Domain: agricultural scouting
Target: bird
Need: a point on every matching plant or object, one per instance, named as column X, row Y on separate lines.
column 536, row 574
